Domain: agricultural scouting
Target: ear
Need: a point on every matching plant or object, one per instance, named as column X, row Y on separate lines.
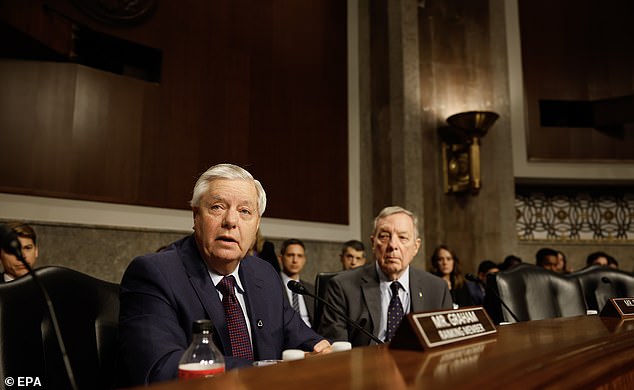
column 418, row 242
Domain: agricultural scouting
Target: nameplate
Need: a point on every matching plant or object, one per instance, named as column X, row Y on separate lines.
column 618, row 307
column 437, row 328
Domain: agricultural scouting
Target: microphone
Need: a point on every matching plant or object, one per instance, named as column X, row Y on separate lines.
column 473, row 278
column 606, row 280
column 10, row 243
column 299, row 288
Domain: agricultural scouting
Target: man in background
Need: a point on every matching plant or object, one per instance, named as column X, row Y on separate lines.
column 598, row 258
column 293, row 260
column 352, row 254
column 378, row 295
column 547, row 259
column 477, row 290
column 14, row 268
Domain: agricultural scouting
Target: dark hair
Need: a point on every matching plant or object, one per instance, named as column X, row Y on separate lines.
column 612, row 260
column 354, row 244
column 268, row 254
column 456, row 278
column 485, row 266
column 540, row 256
column 595, row 255
column 289, row 242
column 509, row 262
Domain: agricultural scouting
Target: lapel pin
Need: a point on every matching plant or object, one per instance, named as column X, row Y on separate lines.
column 260, row 324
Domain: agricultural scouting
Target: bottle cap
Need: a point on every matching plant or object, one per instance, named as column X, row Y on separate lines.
column 200, row 326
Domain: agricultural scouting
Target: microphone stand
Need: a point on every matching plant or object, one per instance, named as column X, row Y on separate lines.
column 298, row 288
column 15, row 248
column 475, row 279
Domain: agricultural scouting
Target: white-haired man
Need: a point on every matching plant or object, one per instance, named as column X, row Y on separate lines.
column 379, row 294
column 208, row 275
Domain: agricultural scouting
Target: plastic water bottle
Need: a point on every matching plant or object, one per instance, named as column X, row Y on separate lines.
column 202, row 358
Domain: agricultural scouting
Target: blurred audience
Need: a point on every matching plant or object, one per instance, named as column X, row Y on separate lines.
column 547, row 259
column 445, row 263
column 477, row 290
column 509, row 262
column 612, row 263
column 597, row 258
column 14, row 268
column 352, row 254
column 562, row 264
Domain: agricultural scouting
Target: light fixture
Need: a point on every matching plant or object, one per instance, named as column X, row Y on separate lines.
column 461, row 149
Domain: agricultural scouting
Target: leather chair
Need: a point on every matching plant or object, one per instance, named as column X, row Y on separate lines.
column 87, row 310
column 321, row 282
column 599, row 284
column 534, row 293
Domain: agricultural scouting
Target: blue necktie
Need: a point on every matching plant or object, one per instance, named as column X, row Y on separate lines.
column 394, row 312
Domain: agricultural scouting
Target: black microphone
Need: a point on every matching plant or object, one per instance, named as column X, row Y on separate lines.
column 606, row 280
column 299, row 288
column 10, row 243
column 473, row 278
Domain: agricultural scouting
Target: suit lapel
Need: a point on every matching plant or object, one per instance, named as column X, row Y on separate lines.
column 372, row 297
column 255, row 299
column 206, row 291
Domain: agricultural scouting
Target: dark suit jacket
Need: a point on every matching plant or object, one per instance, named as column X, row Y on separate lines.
column 356, row 292
column 163, row 293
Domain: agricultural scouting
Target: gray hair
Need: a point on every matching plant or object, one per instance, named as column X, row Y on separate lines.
column 390, row 210
column 231, row 172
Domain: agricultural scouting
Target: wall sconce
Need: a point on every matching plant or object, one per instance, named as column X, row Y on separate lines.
column 461, row 149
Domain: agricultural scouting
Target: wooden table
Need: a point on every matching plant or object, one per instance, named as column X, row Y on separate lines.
column 575, row 352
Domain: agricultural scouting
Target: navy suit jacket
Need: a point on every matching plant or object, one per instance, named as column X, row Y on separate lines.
column 163, row 293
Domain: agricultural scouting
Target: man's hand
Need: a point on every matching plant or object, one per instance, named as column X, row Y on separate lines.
column 321, row 347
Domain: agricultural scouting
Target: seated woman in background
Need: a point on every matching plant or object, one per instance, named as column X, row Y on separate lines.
column 445, row 264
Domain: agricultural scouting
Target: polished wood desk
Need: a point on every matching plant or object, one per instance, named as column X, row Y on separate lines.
column 566, row 353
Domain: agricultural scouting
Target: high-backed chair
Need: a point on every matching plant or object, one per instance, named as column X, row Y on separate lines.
column 599, row 284
column 87, row 310
column 321, row 282
column 534, row 293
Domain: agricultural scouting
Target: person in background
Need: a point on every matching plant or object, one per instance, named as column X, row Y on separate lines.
column 597, row 258
column 444, row 263
column 14, row 268
column 293, row 259
column 477, row 290
column 268, row 254
column 208, row 275
column 547, row 259
column 352, row 254
column 562, row 264
column 509, row 262
column 377, row 295
column 613, row 263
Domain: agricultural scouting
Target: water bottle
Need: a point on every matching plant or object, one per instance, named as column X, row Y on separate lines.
column 202, row 358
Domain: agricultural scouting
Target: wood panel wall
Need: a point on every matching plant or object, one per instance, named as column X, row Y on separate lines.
column 262, row 84
column 577, row 51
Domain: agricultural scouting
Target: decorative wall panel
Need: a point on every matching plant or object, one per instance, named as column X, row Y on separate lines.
column 562, row 215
